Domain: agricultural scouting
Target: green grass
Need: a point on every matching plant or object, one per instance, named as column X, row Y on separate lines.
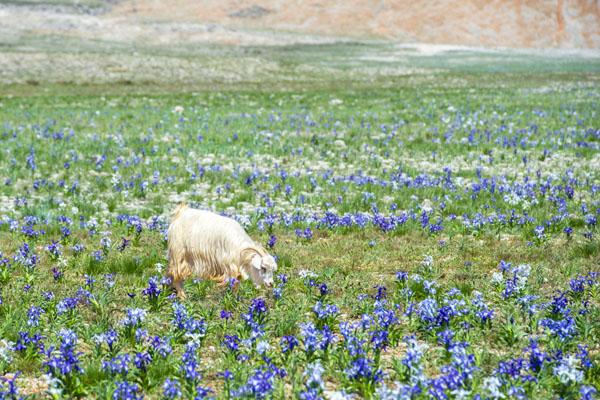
column 525, row 125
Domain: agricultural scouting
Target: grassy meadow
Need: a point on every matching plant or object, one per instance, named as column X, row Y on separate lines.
column 434, row 221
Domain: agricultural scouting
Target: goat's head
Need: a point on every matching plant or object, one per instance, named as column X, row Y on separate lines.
column 260, row 265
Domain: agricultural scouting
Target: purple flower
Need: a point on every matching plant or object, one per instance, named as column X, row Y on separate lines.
column 66, row 361
column 26, row 339
column 307, row 233
column 325, row 311
column 171, row 388
column 34, row 315
column 445, row 338
column 89, row 281
column 67, row 304
column 118, row 365
column 12, row 391
column 54, row 249
column 225, row 314
column 258, row 306
column 379, row 339
column 109, row 281
column 282, row 278
column 226, row 375
column 135, row 316
column 231, row 342
column 160, row 345
column 124, row 244
column 142, row 360
column 310, row 394
column 153, row 290
column 189, row 363
column 126, row 391
column 565, row 328
column 202, row 393
column 272, row 241
column 427, row 310
column 78, row 248
column 261, row 383
column 362, row 369
column 97, row 256
column 587, row 392
column 401, row 276
column 288, row 343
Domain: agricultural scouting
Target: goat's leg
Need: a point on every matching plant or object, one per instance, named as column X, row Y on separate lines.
column 178, row 285
column 178, row 271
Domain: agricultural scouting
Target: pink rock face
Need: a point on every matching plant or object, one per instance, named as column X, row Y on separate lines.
column 498, row 23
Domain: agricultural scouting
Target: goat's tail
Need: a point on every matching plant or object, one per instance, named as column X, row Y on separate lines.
column 180, row 208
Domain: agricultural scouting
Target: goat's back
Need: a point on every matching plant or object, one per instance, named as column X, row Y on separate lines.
column 203, row 233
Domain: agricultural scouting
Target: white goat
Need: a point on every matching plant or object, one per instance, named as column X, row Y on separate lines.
column 205, row 245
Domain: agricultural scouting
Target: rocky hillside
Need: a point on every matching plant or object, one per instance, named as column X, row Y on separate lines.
column 498, row 23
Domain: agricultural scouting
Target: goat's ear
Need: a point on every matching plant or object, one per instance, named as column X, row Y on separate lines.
column 251, row 257
column 256, row 261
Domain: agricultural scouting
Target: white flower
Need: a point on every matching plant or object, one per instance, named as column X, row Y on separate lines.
column 402, row 392
column 194, row 337
column 493, row 385
column 62, row 262
column 178, row 109
column 304, row 273
column 460, row 394
column 338, row 395
column 497, row 277
column 512, row 198
column 99, row 339
column 159, row 267
column 523, row 270
column 5, row 349
column 53, row 386
column 262, row 347
column 427, row 260
column 567, row 370
column 93, row 222
column 314, row 372
column 105, row 242
column 418, row 347
column 115, row 179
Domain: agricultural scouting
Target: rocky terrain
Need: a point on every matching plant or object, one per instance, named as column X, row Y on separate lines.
column 46, row 45
column 496, row 23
